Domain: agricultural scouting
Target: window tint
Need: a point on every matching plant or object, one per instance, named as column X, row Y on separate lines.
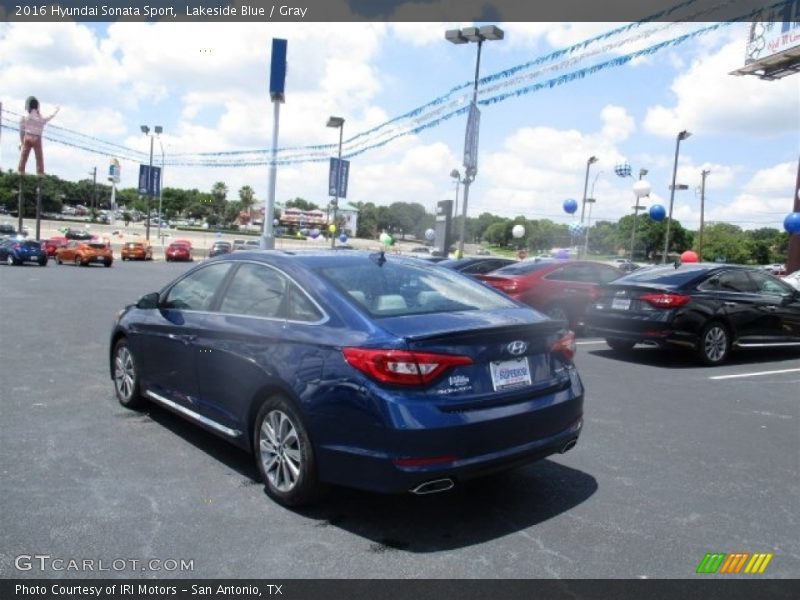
column 769, row 285
column 255, row 290
column 735, row 281
column 666, row 276
column 606, row 275
column 580, row 273
column 196, row 290
column 521, row 268
column 299, row 307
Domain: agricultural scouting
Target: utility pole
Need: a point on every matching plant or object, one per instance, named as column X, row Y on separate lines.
column 94, row 193
column 704, row 173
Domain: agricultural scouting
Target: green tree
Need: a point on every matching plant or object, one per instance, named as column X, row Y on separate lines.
column 726, row 243
column 301, row 204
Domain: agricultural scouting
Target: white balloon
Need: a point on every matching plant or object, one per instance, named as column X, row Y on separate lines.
column 518, row 231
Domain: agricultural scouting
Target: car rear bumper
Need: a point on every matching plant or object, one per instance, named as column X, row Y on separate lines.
column 462, row 446
column 647, row 333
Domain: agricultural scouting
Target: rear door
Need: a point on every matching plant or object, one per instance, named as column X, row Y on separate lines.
column 779, row 308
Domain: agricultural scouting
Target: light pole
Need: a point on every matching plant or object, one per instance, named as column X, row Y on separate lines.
column 336, row 123
column 463, row 36
column 160, row 189
column 156, row 131
column 590, row 200
column 640, row 190
column 457, row 176
column 681, row 136
column 704, row 173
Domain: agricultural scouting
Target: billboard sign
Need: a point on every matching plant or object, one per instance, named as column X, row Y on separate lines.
column 114, row 171
column 769, row 39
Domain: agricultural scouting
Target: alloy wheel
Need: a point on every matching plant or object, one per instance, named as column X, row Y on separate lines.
column 280, row 451
column 124, row 372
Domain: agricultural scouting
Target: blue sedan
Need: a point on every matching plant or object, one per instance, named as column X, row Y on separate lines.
column 17, row 252
column 358, row 369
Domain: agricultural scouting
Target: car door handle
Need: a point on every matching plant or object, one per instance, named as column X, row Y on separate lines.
column 186, row 338
column 731, row 304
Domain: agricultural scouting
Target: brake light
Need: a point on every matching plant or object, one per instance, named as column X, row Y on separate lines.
column 402, row 367
column 565, row 346
column 595, row 293
column 504, row 284
column 665, row 300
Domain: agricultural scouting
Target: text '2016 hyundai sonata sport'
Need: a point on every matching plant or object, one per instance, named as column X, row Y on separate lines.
column 358, row 369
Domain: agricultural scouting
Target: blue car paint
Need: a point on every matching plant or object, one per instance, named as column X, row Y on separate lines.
column 220, row 366
column 26, row 252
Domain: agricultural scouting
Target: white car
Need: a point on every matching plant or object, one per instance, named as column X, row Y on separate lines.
column 793, row 279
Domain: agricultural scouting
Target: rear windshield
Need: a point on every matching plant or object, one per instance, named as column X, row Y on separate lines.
column 31, row 244
column 98, row 246
column 664, row 275
column 398, row 288
column 134, row 245
column 521, row 268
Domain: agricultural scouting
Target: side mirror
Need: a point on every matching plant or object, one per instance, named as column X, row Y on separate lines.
column 148, row 301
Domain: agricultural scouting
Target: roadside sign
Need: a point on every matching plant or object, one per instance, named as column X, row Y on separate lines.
column 471, row 140
column 337, row 177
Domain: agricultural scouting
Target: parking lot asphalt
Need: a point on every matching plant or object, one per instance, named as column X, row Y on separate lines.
column 675, row 461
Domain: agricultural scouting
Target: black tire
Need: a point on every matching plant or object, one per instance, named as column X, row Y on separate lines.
column 620, row 345
column 10, row 260
column 715, row 344
column 126, row 376
column 284, row 454
column 108, row 263
column 77, row 261
column 58, row 260
column 43, row 263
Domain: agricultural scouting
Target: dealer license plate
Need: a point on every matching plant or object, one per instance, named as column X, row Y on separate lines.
column 621, row 303
column 510, row 373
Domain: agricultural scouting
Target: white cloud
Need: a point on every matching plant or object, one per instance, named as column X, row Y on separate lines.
column 710, row 100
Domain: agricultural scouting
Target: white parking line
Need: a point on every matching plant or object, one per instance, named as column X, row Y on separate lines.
column 756, row 374
column 590, row 342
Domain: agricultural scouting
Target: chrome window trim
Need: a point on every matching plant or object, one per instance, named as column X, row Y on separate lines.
column 192, row 414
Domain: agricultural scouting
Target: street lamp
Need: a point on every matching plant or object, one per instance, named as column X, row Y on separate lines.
column 157, row 130
column 463, row 36
column 681, row 136
column 590, row 200
column 457, row 176
column 336, row 123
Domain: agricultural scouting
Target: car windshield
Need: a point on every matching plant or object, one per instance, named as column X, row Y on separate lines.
column 397, row 288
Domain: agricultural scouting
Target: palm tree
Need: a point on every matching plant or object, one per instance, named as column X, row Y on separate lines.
column 219, row 192
column 247, row 198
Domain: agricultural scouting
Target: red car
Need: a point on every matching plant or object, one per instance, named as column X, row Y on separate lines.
column 561, row 289
column 53, row 244
column 179, row 250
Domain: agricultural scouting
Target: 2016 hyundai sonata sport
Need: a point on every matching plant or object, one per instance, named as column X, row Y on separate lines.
column 358, row 369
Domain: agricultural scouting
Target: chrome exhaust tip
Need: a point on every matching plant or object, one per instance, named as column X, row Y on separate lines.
column 568, row 446
column 433, row 487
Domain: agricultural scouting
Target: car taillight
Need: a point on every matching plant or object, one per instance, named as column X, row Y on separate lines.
column 402, row 367
column 665, row 300
column 565, row 346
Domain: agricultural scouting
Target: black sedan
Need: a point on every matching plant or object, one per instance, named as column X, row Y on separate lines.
column 476, row 265
column 707, row 308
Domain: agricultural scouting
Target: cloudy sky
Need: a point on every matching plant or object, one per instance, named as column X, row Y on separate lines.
column 207, row 85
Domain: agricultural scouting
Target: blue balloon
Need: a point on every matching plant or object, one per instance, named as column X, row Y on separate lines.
column 343, row 238
column 792, row 223
column 570, row 205
column 657, row 212
column 314, row 233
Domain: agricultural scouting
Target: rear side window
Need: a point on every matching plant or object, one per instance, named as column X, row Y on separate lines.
column 255, row 291
column 196, row 290
column 666, row 276
column 522, row 268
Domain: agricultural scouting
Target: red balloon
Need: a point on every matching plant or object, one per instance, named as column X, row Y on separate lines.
column 690, row 256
